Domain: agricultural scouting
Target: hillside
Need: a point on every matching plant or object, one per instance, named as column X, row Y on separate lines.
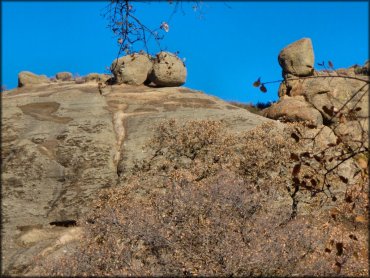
column 62, row 142
column 136, row 175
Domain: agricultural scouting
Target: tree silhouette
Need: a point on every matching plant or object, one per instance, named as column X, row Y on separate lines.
column 129, row 29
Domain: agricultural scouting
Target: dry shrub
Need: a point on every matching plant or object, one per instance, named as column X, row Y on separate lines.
column 212, row 203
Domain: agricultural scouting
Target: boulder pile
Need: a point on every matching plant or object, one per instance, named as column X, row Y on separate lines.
column 164, row 70
column 26, row 78
column 336, row 98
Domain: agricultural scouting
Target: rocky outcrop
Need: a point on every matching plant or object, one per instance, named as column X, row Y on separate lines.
column 63, row 142
column 298, row 58
column 29, row 78
column 254, row 187
column 132, row 69
column 64, row 76
column 168, row 70
column 337, row 98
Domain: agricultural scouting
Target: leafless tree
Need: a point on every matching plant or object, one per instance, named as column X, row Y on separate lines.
column 131, row 31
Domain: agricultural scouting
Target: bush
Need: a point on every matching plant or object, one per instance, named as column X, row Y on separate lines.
column 212, row 203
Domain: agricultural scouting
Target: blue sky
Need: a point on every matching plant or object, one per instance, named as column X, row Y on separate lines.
column 227, row 49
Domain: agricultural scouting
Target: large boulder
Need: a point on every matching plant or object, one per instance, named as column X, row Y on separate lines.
column 168, row 70
column 298, row 58
column 132, row 69
column 293, row 109
column 64, row 76
column 29, row 78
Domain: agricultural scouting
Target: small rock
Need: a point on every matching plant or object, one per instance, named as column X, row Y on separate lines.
column 168, row 70
column 298, row 58
column 28, row 78
column 64, row 76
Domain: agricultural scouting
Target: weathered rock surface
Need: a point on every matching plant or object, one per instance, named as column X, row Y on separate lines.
column 341, row 96
column 293, row 109
column 64, row 76
column 29, row 78
column 298, row 58
column 343, row 103
column 132, row 69
column 63, row 142
column 168, row 70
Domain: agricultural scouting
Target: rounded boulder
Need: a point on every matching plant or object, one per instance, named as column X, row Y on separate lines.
column 298, row 58
column 168, row 70
column 29, row 78
column 132, row 69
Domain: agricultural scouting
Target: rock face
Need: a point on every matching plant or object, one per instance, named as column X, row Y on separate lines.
column 132, row 69
column 29, row 78
column 298, row 58
column 57, row 146
column 62, row 142
column 64, row 76
column 168, row 70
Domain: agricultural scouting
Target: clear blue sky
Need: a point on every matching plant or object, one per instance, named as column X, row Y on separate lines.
column 229, row 48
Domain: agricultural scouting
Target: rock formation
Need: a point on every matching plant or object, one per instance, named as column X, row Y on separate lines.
column 141, row 173
column 165, row 70
column 320, row 94
column 62, row 142
column 29, row 78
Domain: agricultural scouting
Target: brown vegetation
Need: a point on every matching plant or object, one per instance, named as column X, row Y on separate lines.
column 210, row 203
